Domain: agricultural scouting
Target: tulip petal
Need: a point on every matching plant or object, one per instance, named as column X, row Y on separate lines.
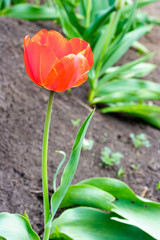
column 58, row 44
column 26, row 59
column 40, row 37
column 39, row 60
column 70, row 71
column 82, row 47
column 89, row 55
column 78, row 45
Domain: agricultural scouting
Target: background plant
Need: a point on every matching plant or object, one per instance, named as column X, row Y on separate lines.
column 111, row 29
column 140, row 140
column 111, row 32
column 109, row 158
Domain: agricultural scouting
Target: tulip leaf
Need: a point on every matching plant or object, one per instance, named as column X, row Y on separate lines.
column 86, row 195
column 30, row 12
column 105, row 37
column 137, row 211
column 98, row 22
column 74, row 19
column 68, row 27
column 127, row 90
column 125, row 28
column 150, row 114
column 124, row 45
column 4, row 4
column 92, row 224
column 111, row 75
column 14, row 226
column 142, row 3
column 70, row 168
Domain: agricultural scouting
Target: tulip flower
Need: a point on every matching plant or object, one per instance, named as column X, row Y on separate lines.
column 55, row 63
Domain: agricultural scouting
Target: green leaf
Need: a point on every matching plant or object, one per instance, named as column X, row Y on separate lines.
column 105, row 37
column 70, row 168
column 108, row 185
column 142, row 3
column 140, row 48
column 85, row 195
column 127, row 91
column 4, row 4
column 137, row 211
column 97, row 23
column 140, row 70
column 126, row 43
column 68, row 27
column 108, row 76
column 30, row 12
column 150, row 114
column 125, row 27
column 92, row 224
column 144, row 215
column 73, row 18
column 14, row 226
column 97, row 6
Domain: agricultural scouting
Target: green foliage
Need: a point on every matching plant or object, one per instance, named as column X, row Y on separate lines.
column 69, row 170
column 140, row 140
column 135, row 166
column 17, row 227
column 75, row 122
column 31, row 12
column 92, row 224
column 14, row 226
column 120, row 173
column 130, row 216
column 111, row 32
column 149, row 113
column 109, row 158
column 158, row 186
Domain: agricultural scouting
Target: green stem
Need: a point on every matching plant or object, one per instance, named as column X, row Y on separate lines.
column 88, row 13
column 44, row 163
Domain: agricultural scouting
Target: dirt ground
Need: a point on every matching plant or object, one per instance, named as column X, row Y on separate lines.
column 22, row 110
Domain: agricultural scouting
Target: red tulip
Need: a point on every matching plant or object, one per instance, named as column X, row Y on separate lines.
column 55, row 63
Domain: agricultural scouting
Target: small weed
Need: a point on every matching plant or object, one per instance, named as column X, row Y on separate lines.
column 120, row 173
column 75, row 122
column 109, row 158
column 135, row 166
column 104, row 140
column 140, row 140
column 158, row 186
column 87, row 144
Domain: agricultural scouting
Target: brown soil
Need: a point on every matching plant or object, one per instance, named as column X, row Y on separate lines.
column 22, row 109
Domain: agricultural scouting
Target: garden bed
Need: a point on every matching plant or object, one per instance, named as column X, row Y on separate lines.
column 22, row 110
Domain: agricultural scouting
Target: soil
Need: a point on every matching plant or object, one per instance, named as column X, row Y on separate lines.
column 22, row 110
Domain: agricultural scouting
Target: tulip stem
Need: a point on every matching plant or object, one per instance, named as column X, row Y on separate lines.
column 44, row 160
